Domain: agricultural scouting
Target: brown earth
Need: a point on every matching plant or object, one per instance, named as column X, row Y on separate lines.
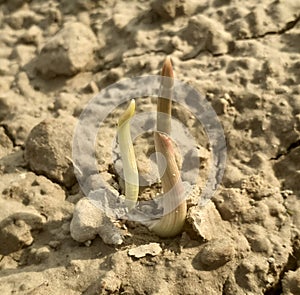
column 243, row 56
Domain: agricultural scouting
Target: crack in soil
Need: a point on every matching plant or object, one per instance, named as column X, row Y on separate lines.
column 9, row 135
column 190, row 56
column 148, row 52
column 276, row 288
column 110, row 65
column 291, row 147
column 287, row 27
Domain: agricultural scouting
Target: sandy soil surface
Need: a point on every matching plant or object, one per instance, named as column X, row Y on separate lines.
column 243, row 56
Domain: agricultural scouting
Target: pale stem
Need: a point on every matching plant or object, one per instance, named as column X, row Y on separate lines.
column 128, row 157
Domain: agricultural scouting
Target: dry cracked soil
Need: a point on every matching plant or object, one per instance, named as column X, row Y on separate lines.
column 243, row 57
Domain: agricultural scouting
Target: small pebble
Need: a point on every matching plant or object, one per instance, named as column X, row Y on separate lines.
column 216, row 253
column 152, row 249
column 42, row 253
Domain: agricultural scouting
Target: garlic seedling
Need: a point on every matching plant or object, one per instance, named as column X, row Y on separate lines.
column 128, row 157
column 173, row 201
column 164, row 104
column 174, row 204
